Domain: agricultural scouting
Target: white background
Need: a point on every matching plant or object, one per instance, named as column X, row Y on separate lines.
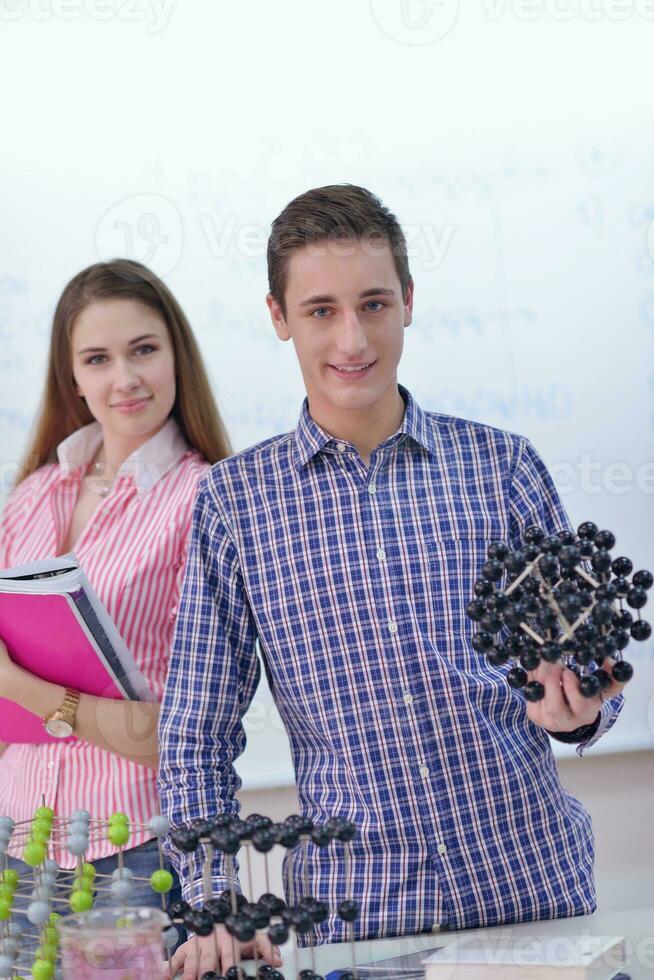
column 514, row 141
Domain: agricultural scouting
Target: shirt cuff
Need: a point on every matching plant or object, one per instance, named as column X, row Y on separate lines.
column 193, row 891
column 581, row 734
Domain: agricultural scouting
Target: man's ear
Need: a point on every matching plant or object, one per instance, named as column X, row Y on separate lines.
column 277, row 317
column 408, row 304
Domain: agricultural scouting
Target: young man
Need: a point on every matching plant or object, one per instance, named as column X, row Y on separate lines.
column 349, row 548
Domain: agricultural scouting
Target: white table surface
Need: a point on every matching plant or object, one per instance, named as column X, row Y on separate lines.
column 635, row 925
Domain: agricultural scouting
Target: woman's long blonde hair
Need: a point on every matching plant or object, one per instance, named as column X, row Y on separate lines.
column 62, row 411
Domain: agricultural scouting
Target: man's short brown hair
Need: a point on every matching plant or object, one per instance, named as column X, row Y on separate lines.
column 335, row 212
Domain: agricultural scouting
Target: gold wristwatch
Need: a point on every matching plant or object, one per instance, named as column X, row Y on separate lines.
column 60, row 723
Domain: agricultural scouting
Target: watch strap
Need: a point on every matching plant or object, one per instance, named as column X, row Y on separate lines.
column 68, row 709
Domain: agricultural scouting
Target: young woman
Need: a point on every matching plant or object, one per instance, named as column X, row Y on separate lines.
column 127, row 427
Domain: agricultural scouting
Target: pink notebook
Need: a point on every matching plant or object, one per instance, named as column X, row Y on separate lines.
column 55, row 626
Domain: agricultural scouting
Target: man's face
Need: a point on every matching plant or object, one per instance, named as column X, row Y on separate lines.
column 346, row 316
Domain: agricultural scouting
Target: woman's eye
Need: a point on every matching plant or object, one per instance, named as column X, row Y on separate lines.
column 148, row 348
column 94, row 359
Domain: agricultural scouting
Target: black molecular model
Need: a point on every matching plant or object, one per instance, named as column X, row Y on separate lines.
column 269, row 915
column 559, row 598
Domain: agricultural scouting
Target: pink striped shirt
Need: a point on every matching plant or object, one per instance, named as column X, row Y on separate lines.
column 133, row 551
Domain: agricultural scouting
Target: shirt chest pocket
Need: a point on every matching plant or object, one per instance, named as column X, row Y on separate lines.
column 454, row 566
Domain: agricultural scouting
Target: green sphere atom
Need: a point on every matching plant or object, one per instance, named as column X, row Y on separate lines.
column 5, row 909
column 161, row 881
column 7, row 891
column 42, row 970
column 10, row 877
column 118, row 817
column 44, row 813
column 118, row 834
column 81, row 901
column 34, row 853
column 47, row 952
column 83, row 885
column 88, row 870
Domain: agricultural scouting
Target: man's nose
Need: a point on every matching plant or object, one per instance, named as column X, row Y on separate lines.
column 351, row 339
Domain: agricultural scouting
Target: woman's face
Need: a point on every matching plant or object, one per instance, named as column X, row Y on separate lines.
column 124, row 365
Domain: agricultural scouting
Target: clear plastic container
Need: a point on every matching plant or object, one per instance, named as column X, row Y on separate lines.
column 114, row 944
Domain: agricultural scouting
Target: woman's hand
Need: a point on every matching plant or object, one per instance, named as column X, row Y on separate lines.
column 564, row 708
column 199, row 955
column 9, row 674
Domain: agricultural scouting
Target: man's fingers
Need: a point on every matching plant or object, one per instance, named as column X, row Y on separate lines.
column 198, row 956
column 579, row 705
column 269, row 952
column 554, row 704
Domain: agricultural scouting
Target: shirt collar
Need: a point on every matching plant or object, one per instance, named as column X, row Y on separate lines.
column 147, row 465
column 310, row 439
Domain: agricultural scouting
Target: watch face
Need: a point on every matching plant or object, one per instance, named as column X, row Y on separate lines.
column 59, row 728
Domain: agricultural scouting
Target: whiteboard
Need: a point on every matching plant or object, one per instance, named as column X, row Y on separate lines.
column 529, row 214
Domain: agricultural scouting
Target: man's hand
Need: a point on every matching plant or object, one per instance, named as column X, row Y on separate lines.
column 197, row 956
column 564, row 708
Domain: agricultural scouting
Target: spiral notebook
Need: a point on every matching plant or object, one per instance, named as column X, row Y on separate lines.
column 55, row 626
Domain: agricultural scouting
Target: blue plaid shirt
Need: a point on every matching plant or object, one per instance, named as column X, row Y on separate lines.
column 355, row 583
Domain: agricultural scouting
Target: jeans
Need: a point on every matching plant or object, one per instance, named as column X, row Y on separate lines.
column 141, row 860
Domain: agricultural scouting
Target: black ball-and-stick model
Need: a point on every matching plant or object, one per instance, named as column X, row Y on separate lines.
column 270, row 915
column 559, row 598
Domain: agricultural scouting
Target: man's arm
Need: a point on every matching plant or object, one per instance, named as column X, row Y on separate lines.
column 213, row 674
column 534, row 499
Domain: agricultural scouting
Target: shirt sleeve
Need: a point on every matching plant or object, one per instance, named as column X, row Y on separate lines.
column 534, row 499
column 213, row 674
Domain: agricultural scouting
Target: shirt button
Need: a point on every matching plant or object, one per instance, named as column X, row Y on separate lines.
column 392, row 627
column 51, row 764
column 436, row 927
column 381, row 554
column 372, row 488
column 424, row 770
column 408, row 698
column 341, row 447
column 442, row 849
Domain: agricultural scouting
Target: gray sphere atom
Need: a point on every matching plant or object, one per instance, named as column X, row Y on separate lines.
column 159, row 825
column 39, row 912
column 122, row 874
column 121, row 891
column 77, row 844
column 6, row 966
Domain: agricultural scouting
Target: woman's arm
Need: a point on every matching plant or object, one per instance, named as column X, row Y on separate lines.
column 3, row 746
column 126, row 728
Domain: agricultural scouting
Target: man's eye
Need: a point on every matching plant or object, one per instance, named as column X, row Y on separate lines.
column 321, row 312
column 376, row 303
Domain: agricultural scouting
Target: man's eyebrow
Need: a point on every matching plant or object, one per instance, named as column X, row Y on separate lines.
column 136, row 340
column 377, row 291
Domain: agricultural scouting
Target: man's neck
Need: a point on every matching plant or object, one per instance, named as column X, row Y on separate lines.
column 365, row 430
